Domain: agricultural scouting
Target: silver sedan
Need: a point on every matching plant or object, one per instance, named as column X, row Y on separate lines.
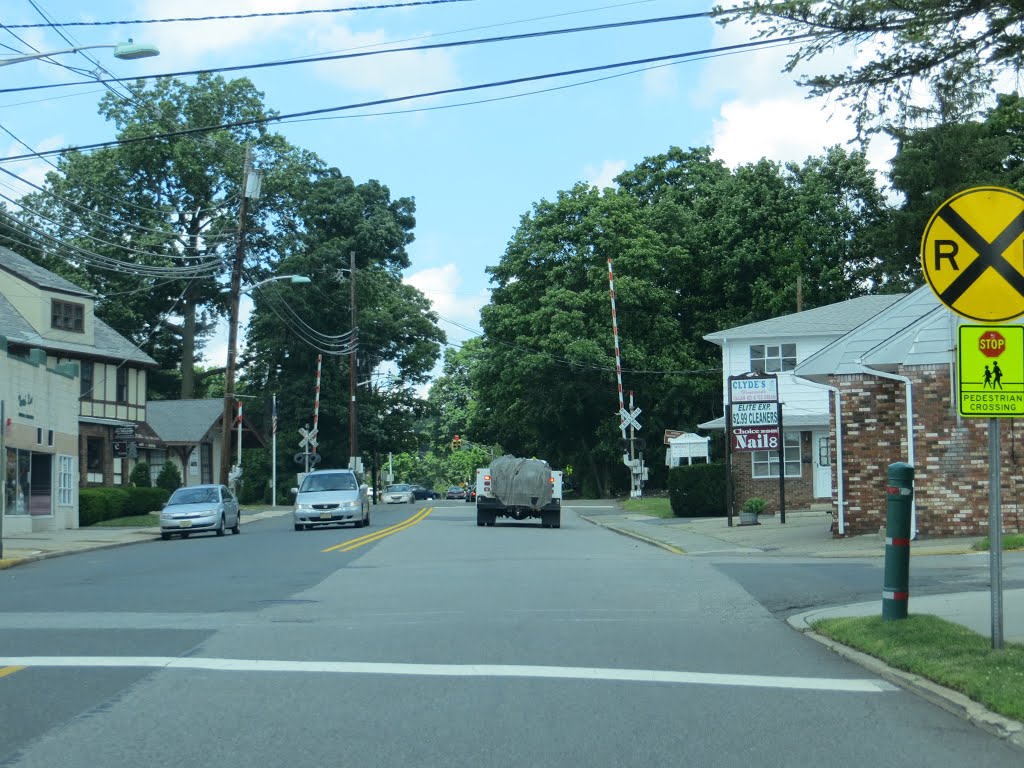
column 200, row 509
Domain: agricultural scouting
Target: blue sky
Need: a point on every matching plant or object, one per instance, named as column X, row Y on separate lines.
column 474, row 169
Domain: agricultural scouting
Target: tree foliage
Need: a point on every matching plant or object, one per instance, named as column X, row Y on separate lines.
column 110, row 219
column 696, row 247
column 944, row 43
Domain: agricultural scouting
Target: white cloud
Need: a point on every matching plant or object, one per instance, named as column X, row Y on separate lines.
column 605, row 175
column 763, row 113
column 661, row 82
column 441, row 286
column 208, row 42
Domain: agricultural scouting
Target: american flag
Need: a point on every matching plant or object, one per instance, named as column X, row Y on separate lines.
column 239, row 419
column 273, row 417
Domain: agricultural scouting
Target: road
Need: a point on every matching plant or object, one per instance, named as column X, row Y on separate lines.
column 433, row 643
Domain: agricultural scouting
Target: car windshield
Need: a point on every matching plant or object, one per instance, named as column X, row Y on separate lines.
column 194, row 496
column 398, row 489
column 455, row 488
column 341, row 481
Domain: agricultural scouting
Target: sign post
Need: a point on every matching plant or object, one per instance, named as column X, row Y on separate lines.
column 967, row 259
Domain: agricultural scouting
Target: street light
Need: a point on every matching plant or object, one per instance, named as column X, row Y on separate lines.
column 229, row 374
column 129, row 50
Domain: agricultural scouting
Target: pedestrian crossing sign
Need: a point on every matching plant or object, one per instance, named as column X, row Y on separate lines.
column 990, row 371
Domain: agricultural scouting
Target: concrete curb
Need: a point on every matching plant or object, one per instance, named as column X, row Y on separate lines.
column 951, row 701
column 637, row 536
column 15, row 561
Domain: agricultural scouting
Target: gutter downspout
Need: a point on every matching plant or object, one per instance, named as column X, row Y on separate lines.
column 840, row 494
column 910, row 431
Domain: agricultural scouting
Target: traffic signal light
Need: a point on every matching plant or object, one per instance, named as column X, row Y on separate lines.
column 456, row 443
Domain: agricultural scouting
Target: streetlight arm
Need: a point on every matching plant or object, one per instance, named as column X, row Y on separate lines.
column 297, row 279
column 127, row 50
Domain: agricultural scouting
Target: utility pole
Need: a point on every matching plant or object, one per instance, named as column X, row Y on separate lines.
column 353, row 438
column 236, row 294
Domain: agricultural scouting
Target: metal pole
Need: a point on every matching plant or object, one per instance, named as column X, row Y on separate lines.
column 316, row 405
column 273, row 451
column 782, row 467
column 353, row 440
column 3, row 475
column 236, row 291
column 995, row 534
column 615, row 337
column 239, row 439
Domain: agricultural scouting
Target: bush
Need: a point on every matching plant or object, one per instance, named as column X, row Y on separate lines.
column 98, row 504
column 169, row 478
column 697, row 490
column 753, row 505
column 140, row 476
column 142, row 501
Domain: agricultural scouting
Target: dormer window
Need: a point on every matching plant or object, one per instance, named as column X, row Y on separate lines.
column 772, row 358
column 67, row 316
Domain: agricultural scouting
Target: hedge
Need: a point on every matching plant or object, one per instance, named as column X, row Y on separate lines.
column 697, row 490
column 98, row 504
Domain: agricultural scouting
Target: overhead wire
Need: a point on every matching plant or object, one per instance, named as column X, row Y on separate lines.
column 267, row 14
column 410, row 97
column 407, row 49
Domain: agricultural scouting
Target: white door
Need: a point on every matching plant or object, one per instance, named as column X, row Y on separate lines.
column 822, row 460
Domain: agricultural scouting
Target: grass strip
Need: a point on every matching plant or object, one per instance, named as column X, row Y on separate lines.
column 1011, row 541
column 945, row 653
column 656, row 506
column 131, row 521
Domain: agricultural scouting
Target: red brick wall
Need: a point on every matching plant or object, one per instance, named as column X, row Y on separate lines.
column 799, row 490
column 950, row 456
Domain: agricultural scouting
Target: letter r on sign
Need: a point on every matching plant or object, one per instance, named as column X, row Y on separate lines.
column 946, row 249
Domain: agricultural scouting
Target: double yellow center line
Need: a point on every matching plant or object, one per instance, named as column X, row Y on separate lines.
column 348, row 546
column 5, row 671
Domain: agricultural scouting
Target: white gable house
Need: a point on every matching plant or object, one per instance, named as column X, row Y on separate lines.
column 778, row 346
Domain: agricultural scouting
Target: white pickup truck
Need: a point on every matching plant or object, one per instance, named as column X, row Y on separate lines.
column 520, row 489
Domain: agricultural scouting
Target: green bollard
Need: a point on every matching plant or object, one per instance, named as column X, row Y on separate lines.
column 899, row 493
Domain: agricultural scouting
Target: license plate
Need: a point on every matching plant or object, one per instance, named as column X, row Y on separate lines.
column 184, row 523
column 325, row 515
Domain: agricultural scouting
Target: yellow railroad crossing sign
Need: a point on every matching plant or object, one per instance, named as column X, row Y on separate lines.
column 990, row 370
column 972, row 253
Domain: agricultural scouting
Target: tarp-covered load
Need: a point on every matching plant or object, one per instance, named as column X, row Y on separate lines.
column 521, row 482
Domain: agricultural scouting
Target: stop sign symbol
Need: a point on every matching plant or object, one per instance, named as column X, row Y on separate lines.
column 991, row 344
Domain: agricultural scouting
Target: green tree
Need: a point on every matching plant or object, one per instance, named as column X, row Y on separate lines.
column 947, row 44
column 150, row 224
column 696, row 247
column 169, row 478
column 397, row 332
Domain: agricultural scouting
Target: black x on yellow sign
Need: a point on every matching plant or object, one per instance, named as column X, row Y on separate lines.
column 972, row 253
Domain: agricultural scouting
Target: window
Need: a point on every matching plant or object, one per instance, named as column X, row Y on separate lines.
column 66, row 316
column 66, row 481
column 766, row 463
column 122, row 385
column 49, row 437
column 772, row 358
column 94, row 459
column 39, row 435
column 87, row 373
column 157, row 459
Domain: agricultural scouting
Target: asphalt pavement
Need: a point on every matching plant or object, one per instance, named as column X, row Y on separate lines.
column 805, row 534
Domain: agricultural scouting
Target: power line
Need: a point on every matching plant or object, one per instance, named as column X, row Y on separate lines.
column 397, row 99
column 407, row 49
column 239, row 15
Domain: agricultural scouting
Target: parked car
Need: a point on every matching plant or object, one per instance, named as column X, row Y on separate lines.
column 200, row 509
column 400, row 493
column 422, row 492
column 331, row 497
column 470, row 494
column 455, row 492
